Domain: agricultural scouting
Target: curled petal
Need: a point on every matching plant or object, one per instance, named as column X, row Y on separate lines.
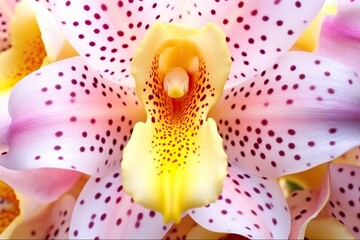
column 104, row 210
column 255, row 30
column 43, row 185
column 249, row 205
column 108, row 32
column 345, row 195
column 49, row 222
column 66, row 116
column 299, row 113
column 305, row 205
column 327, row 228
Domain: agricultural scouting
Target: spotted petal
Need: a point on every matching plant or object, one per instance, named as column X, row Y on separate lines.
column 66, row 116
column 301, row 112
column 104, row 210
column 6, row 11
column 340, row 35
column 345, row 195
column 50, row 222
column 108, row 32
column 249, row 205
column 257, row 32
column 304, row 206
column 351, row 157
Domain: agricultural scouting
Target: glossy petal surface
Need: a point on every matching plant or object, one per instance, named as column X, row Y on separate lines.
column 249, row 205
column 104, row 210
column 76, row 120
column 4, row 120
column 301, row 112
column 32, row 182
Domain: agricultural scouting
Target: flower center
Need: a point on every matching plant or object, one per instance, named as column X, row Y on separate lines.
column 176, row 82
column 175, row 160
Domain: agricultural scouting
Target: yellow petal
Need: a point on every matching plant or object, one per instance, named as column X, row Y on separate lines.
column 328, row 228
column 309, row 179
column 309, row 40
column 9, row 206
column 175, row 160
column 35, row 39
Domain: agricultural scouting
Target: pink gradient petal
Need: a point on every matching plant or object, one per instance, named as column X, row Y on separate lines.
column 258, row 31
column 108, row 32
column 340, row 35
column 50, row 222
column 66, row 116
column 299, row 113
column 305, row 205
column 344, row 202
column 104, row 210
column 4, row 120
column 43, row 185
column 249, row 205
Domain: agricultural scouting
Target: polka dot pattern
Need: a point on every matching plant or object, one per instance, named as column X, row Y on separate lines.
column 255, row 30
column 344, row 199
column 57, row 121
column 51, row 223
column 249, row 205
column 305, row 205
column 5, row 14
column 291, row 116
column 108, row 32
column 104, row 210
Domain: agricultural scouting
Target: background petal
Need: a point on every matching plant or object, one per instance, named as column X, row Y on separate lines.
column 258, row 32
column 340, row 35
column 66, row 116
column 104, row 210
column 249, row 205
column 299, row 113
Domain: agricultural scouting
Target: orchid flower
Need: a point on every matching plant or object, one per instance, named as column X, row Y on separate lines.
column 331, row 205
column 35, row 41
column 278, row 113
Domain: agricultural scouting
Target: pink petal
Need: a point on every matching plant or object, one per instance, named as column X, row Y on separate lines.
column 249, row 205
column 299, row 113
column 66, row 116
column 305, row 205
column 4, row 120
column 340, row 35
column 108, row 32
column 51, row 222
column 104, row 210
column 344, row 202
column 257, row 32
column 43, row 185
